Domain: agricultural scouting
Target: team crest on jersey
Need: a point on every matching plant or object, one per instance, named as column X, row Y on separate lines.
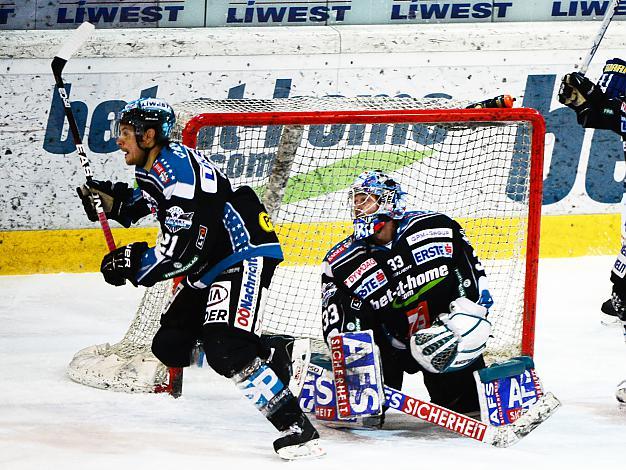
column 177, row 219
column 425, row 253
column 358, row 272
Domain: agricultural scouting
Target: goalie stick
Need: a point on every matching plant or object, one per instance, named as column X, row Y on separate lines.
column 498, row 436
column 608, row 16
column 69, row 48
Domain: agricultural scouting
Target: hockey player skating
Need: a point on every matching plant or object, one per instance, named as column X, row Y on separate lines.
column 223, row 242
column 603, row 106
column 400, row 274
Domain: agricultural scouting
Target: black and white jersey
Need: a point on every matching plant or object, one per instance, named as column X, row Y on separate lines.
column 206, row 226
column 404, row 285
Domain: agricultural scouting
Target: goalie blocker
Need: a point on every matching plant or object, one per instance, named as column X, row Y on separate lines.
column 512, row 401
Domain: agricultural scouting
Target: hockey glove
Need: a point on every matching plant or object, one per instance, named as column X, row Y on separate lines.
column 113, row 197
column 455, row 340
column 576, row 90
column 123, row 263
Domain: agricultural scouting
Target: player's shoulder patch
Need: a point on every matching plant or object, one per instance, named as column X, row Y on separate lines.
column 174, row 171
column 339, row 250
column 174, row 165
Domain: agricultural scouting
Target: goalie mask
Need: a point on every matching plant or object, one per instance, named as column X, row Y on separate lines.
column 613, row 79
column 144, row 114
column 375, row 200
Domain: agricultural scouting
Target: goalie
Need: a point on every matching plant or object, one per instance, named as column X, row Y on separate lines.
column 415, row 280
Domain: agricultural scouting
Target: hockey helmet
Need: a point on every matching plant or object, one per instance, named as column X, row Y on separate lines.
column 144, row 114
column 613, row 79
column 380, row 190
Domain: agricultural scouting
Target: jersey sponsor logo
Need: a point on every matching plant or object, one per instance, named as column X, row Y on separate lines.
column 202, row 231
column 404, row 293
column 177, row 219
column 371, row 283
column 265, row 222
column 358, row 272
column 246, row 306
column 415, row 238
column 161, row 172
column 418, row 318
column 185, row 268
column 338, row 251
column 218, row 302
column 426, row 253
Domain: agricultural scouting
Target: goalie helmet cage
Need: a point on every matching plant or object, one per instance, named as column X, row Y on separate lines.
column 482, row 167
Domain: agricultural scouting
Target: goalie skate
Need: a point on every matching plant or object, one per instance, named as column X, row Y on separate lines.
column 620, row 393
column 300, row 441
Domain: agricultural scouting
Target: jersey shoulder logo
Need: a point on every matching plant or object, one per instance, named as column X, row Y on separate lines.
column 265, row 222
column 338, row 250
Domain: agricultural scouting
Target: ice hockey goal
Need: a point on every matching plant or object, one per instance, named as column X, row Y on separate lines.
column 480, row 166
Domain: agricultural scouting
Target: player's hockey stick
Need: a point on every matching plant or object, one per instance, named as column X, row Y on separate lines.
column 498, row 436
column 58, row 63
column 608, row 16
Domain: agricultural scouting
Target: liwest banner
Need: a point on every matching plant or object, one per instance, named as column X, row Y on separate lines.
column 66, row 14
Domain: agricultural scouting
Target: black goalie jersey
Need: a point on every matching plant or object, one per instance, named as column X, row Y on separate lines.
column 401, row 287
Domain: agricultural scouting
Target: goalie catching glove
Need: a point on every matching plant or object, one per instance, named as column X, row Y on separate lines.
column 123, row 263
column 455, row 340
column 113, row 196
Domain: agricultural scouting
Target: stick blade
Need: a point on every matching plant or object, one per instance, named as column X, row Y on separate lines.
column 505, row 436
column 78, row 38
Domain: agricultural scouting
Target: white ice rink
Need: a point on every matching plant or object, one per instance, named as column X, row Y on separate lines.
column 49, row 422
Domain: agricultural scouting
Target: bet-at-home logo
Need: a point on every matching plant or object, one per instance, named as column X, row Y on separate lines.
column 603, row 173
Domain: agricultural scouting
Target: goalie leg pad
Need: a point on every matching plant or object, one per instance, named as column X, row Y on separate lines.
column 506, row 390
column 357, row 374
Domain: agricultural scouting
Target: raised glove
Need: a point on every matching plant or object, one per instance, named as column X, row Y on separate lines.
column 123, row 263
column 113, row 197
column 576, row 90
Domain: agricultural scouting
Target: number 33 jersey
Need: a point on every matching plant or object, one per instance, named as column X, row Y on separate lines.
column 403, row 286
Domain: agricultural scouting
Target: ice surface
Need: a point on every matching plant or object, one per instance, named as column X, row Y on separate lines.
column 49, row 422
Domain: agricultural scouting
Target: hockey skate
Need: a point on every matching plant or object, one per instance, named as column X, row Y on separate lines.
column 620, row 394
column 608, row 315
column 299, row 441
